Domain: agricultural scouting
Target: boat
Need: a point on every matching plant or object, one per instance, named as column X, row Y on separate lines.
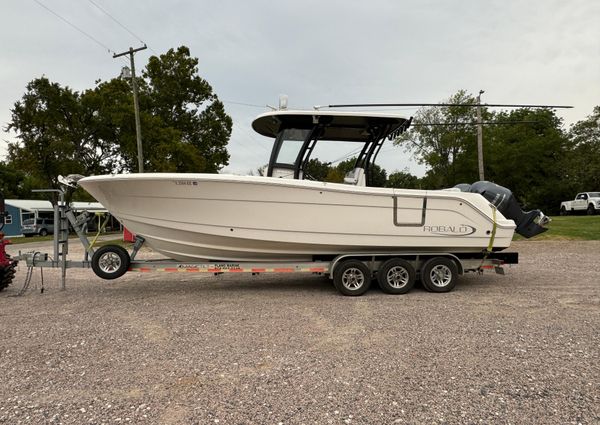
column 286, row 216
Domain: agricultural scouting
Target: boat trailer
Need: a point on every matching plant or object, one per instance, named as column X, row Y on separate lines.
column 352, row 273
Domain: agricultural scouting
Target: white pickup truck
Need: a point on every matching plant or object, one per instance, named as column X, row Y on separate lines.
column 588, row 202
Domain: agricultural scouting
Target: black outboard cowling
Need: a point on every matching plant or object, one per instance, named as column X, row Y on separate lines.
column 529, row 223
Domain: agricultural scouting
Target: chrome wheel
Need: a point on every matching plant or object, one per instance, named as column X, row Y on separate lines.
column 440, row 275
column 397, row 277
column 353, row 278
column 109, row 262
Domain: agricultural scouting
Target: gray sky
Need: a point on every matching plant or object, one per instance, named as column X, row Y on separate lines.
column 319, row 52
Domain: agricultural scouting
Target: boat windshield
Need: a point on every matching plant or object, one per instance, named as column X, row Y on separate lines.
column 292, row 141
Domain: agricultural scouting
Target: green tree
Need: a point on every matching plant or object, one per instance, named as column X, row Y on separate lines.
column 61, row 131
column 445, row 139
column 528, row 156
column 317, row 170
column 403, row 180
column 14, row 183
column 583, row 160
column 54, row 134
column 378, row 176
column 186, row 103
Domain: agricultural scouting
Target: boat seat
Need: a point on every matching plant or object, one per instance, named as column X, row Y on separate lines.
column 356, row 177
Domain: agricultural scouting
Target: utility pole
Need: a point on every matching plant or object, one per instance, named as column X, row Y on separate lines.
column 480, row 137
column 138, row 127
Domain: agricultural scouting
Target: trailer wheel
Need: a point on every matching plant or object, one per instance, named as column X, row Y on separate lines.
column 396, row 276
column 3, row 279
column 352, row 277
column 110, row 262
column 439, row 274
column 7, row 274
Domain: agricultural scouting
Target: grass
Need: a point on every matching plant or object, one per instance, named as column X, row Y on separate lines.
column 577, row 227
column 24, row 240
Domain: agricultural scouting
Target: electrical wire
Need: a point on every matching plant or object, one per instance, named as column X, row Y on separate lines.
column 120, row 24
column 244, row 104
column 353, row 152
column 253, row 152
column 95, row 40
column 251, row 136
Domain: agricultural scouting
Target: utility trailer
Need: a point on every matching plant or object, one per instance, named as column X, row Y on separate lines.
column 352, row 274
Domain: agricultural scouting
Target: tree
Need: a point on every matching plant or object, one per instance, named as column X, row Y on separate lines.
column 524, row 150
column 61, row 131
column 583, row 161
column 54, row 134
column 403, row 180
column 317, row 170
column 445, row 139
column 378, row 175
column 528, row 156
column 14, row 183
column 184, row 101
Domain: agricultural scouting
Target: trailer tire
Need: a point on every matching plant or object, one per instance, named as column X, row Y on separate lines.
column 352, row 278
column 5, row 280
column 110, row 262
column 7, row 274
column 396, row 276
column 439, row 274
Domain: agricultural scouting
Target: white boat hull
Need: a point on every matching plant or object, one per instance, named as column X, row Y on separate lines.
column 196, row 217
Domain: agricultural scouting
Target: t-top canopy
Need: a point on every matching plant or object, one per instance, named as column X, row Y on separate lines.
column 336, row 125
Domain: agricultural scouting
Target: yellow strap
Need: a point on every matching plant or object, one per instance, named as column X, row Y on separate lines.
column 492, row 237
column 100, row 228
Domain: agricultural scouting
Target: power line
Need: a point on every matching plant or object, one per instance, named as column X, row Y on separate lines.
column 95, row 40
column 257, row 142
column 119, row 23
column 244, row 104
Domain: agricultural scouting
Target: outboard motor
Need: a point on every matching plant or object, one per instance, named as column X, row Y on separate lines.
column 529, row 223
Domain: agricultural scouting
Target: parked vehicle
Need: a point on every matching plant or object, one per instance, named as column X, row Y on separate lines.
column 585, row 202
column 38, row 226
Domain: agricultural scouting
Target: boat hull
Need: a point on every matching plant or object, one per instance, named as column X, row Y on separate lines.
column 196, row 217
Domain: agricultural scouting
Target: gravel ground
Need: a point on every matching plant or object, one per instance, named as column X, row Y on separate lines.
column 162, row 348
